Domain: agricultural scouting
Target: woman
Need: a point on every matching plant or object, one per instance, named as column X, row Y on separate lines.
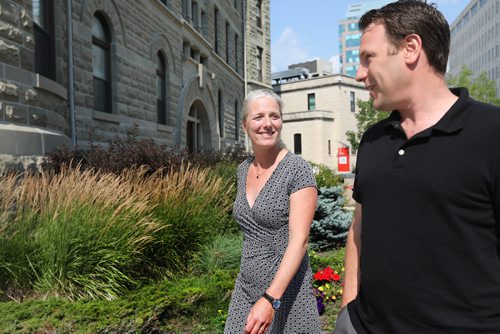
column 274, row 207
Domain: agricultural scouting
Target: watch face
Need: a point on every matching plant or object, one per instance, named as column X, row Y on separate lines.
column 276, row 304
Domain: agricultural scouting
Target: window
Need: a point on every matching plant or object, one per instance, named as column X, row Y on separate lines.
column 161, row 88
column 311, row 101
column 227, row 42
column 259, row 64
column 258, row 16
column 101, row 64
column 204, row 25
column 43, row 24
column 194, row 14
column 236, row 50
column 329, row 147
column 216, row 30
column 236, row 121
column 297, row 143
column 185, row 10
column 221, row 113
column 352, row 101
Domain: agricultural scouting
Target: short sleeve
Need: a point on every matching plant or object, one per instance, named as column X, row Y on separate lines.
column 303, row 176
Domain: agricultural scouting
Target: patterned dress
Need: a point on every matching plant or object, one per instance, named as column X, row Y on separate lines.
column 265, row 230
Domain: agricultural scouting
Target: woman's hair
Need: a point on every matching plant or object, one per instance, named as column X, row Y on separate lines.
column 406, row 17
column 257, row 94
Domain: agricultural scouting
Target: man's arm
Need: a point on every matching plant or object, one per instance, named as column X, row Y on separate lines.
column 352, row 252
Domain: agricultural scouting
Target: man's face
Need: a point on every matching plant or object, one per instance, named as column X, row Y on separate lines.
column 381, row 68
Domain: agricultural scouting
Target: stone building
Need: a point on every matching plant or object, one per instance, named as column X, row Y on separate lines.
column 178, row 69
column 258, row 44
column 317, row 114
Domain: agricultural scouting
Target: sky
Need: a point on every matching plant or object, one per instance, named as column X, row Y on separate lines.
column 306, row 30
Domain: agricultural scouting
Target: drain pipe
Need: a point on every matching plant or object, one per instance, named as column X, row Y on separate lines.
column 71, row 99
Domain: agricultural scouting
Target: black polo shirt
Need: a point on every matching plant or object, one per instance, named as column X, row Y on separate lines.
column 430, row 255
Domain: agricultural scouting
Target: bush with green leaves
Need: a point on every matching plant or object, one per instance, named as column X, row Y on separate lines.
column 331, row 221
column 325, row 176
column 188, row 304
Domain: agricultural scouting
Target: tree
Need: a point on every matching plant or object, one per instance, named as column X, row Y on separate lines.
column 365, row 118
column 480, row 88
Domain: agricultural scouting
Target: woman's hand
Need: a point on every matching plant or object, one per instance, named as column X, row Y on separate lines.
column 260, row 317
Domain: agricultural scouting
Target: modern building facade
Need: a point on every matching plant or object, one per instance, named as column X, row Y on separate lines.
column 475, row 40
column 350, row 36
column 178, row 69
column 318, row 112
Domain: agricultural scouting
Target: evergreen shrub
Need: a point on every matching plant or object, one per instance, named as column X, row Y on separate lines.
column 331, row 221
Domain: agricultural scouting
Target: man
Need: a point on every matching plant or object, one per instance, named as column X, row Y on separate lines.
column 422, row 255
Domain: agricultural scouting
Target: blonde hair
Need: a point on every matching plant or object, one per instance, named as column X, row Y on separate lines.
column 260, row 93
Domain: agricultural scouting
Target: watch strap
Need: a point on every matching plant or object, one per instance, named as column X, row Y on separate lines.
column 268, row 298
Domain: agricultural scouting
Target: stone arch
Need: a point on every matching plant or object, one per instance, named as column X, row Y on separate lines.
column 190, row 93
column 110, row 10
column 159, row 42
column 198, row 128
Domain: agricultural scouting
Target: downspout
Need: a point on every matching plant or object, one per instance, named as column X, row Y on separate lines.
column 245, row 68
column 245, row 45
column 71, row 99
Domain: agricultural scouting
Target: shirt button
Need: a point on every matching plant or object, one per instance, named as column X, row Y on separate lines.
column 401, row 152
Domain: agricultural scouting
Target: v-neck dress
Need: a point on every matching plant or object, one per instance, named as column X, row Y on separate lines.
column 265, row 238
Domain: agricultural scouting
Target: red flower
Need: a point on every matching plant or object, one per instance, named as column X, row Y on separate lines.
column 327, row 274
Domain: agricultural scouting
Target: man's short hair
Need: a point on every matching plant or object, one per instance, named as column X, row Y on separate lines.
column 406, row 17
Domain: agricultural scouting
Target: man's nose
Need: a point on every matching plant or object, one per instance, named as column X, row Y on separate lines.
column 361, row 73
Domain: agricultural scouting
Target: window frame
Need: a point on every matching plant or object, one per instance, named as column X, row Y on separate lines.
column 106, row 46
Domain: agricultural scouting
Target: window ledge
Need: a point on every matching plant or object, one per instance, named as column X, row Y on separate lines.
column 50, row 86
column 163, row 128
column 103, row 116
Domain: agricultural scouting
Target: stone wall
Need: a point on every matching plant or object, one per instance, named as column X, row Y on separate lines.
column 20, row 164
column 139, row 29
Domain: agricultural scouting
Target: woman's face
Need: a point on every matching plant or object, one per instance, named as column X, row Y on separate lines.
column 263, row 122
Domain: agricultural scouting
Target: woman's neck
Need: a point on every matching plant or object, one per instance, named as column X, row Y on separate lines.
column 265, row 158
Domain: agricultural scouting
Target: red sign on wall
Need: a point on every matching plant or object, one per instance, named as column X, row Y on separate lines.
column 343, row 160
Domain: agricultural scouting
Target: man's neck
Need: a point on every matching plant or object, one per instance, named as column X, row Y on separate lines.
column 426, row 107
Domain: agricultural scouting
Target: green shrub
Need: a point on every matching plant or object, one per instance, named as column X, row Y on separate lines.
column 183, row 305
column 326, row 177
column 331, row 222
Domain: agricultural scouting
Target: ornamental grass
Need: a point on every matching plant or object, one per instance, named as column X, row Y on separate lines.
column 90, row 235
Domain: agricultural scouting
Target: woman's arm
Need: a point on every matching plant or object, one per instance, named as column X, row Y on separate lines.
column 352, row 252
column 302, row 207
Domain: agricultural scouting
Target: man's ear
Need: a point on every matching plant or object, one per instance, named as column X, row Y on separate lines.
column 412, row 46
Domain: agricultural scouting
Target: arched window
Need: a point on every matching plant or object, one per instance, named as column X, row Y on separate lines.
column 236, row 121
column 101, row 64
column 220, row 107
column 161, row 88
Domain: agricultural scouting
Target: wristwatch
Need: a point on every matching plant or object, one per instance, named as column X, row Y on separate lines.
column 275, row 303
